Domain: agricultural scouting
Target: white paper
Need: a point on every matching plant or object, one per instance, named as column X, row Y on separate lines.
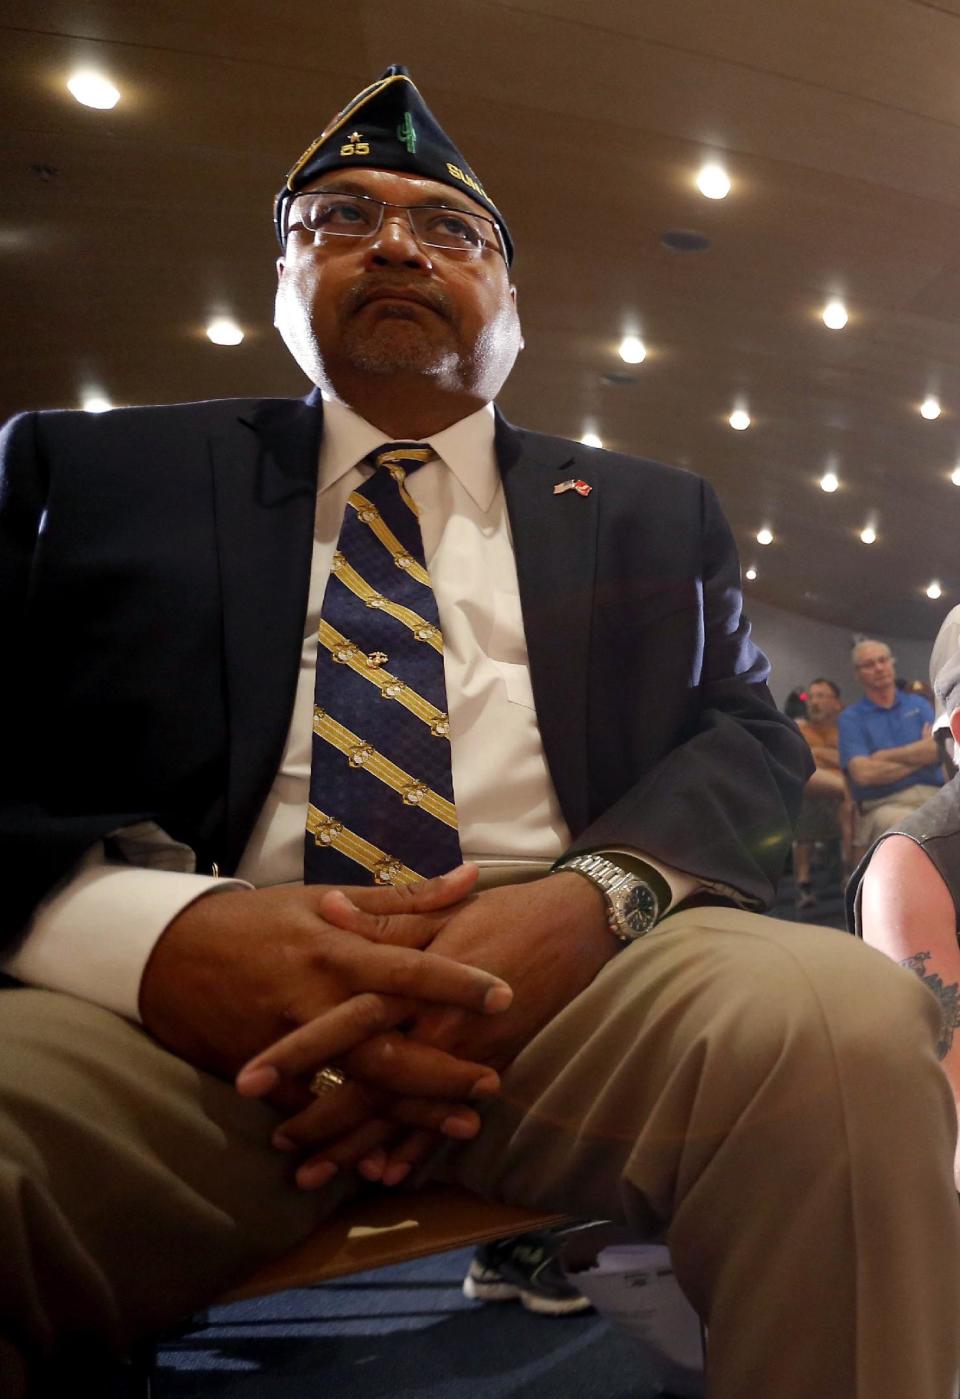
column 634, row 1286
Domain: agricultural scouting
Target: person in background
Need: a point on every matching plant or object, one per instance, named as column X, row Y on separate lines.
column 827, row 808
column 904, row 898
column 886, row 746
column 946, row 646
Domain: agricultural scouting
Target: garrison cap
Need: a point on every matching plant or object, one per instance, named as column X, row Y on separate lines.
column 388, row 126
column 947, row 685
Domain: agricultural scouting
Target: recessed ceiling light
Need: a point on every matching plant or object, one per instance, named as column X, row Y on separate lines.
column 632, row 349
column 713, row 181
column 224, row 332
column 590, row 439
column 751, row 573
column 835, row 315
column 739, row 419
column 934, row 591
column 764, row 536
column 829, row 482
column 930, row 408
column 93, row 90
column 868, row 535
column 96, row 403
column 955, row 475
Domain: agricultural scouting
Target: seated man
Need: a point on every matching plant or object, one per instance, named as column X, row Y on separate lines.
column 886, row 746
column 905, row 897
column 349, row 641
column 945, row 647
column 827, row 810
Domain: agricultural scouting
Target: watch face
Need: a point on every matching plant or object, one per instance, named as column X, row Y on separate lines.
column 638, row 908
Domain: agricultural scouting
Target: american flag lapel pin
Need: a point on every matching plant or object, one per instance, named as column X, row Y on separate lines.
column 580, row 487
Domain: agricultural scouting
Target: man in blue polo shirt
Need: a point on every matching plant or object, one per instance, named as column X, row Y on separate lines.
column 886, row 748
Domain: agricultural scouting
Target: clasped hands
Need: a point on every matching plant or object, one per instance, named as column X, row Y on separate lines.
column 419, row 995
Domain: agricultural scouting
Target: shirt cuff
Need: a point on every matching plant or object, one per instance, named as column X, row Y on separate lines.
column 92, row 937
column 682, row 884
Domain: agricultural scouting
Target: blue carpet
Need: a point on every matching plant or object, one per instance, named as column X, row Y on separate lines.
column 401, row 1332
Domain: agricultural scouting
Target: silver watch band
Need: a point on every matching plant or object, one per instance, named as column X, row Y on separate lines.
column 611, row 878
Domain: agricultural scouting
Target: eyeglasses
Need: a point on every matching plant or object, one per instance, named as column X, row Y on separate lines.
column 329, row 215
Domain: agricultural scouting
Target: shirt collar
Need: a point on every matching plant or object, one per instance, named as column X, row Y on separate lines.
column 466, row 448
column 885, row 708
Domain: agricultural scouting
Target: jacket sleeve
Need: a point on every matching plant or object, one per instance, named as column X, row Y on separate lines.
column 39, row 845
column 722, row 803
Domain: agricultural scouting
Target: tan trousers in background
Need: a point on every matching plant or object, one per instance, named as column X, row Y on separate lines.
column 768, row 1094
column 875, row 818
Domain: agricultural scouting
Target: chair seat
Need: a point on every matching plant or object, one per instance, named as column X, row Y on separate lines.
column 390, row 1227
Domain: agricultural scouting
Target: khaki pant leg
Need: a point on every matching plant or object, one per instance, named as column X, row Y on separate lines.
column 881, row 816
column 770, row 1095
column 132, row 1187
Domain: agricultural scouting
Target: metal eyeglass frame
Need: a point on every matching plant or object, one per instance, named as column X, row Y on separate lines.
column 409, row 209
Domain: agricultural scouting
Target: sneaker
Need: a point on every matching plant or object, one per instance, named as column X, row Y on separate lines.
column 525, row 1268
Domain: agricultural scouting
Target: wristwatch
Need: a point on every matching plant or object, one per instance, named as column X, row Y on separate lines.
column 636, row 898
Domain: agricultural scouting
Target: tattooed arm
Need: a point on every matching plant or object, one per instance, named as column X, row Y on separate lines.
column 908, row 913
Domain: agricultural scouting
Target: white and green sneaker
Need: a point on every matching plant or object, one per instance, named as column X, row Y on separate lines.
column 525, row 1268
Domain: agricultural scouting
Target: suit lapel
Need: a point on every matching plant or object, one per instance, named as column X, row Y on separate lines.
column 264, row 468
column 555, row 543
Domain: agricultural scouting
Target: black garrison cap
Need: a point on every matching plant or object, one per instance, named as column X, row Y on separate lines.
column 388, row 126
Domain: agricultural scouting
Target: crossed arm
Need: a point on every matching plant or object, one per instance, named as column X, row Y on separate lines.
column 892, row 764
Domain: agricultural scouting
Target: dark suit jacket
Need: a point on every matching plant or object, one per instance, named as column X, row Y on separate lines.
column 155, row 565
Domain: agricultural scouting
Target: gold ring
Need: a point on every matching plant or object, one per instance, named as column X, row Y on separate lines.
column 327, row 1080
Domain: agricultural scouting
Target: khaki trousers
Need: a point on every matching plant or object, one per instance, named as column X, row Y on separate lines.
column 766, row 1095
column 877, row 817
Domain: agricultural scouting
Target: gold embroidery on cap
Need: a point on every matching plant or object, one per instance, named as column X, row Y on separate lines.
column 467, row 179
column 356, row 145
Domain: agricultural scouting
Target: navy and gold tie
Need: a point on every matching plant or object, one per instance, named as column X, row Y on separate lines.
column 381, row 786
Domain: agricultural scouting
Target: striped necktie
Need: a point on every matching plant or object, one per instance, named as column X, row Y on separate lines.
column 381, row 786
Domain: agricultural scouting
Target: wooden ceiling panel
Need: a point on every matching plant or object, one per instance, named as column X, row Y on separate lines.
column 870, row 49
column 286, row 33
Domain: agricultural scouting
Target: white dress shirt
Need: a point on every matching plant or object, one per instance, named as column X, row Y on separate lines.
column 93, row 934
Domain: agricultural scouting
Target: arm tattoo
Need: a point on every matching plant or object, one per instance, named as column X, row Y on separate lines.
column 948, row 996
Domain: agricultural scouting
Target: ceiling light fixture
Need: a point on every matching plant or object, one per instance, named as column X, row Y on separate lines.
column 713, row 181
column 934, row 590
column 96, row 403
column 835, row 315
column 829, row 482
column 590, row 439
column 868, row 535
column 632, row 350
column 739, row 419
column 765, row 536
column 224, row 332
column 955, row 475
column 930, row 408
column 750, row 574
column 93, row 90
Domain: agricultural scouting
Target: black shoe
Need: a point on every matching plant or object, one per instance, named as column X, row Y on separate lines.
column 525, row 1268
column 806, row 898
